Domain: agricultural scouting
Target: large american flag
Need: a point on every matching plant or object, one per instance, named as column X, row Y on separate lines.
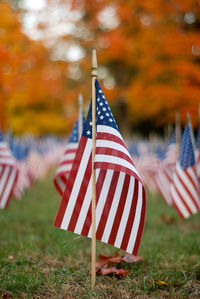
column 8, row 173
column 184, row 189
column 120, row 195
column 66, row 162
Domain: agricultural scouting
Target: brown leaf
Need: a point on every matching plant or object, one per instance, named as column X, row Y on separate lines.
column 6, row 296
column 113, row 270
column 107, row 260
column 130, row 258
column 168, row 219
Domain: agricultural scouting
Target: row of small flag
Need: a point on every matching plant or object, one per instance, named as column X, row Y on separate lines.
column 23, row 161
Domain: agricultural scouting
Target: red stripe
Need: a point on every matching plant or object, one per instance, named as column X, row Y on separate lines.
column 181, row 198
column 71, row 151
column 141, row 226
column 175, row 205
column 11, row 190
column 120, row 209
column 120, row 168
column 70, row 182
column 189, row 193
column 108, row 203
column 193, row 169
column 5, row 185
column 81, row 195
column 88, row 219
column 113, row 152
column 65, row 162
column 110, row 137
column 131, row 217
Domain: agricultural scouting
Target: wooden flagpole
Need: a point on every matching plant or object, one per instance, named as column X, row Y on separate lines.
column 178, row 128
column 80, row 122
column 94, row 76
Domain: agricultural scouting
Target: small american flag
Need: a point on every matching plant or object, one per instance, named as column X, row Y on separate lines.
column 65, row 165
column 166, row 170
column 198, row 153
column 8, row 173
column 184, row 189
column 120, row 196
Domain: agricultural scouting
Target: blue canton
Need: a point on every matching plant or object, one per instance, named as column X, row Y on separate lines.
column 198, row 139
column 186, row 158
column 74, row 135
column 103, row 113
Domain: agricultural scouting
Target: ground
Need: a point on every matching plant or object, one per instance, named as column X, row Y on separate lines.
column 38, row 260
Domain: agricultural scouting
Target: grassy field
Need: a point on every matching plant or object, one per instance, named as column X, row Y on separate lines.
column 38, row 260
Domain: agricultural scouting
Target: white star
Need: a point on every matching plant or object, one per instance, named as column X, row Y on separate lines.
column 98, row 99
column 107, row 114
column 101, row 104
column 110, row 119
column 104, row 109
column 91, row 123
column 98, row 112
column 88, row 132
column 103, row 96
column 100, row 91
column 101, row 117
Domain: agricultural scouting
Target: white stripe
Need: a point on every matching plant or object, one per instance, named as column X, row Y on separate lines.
column 186, row 181
column 60, row 183
column 125, row 215
column 136, row 221
column 70, row 146
column 109, row 130
column 116, row 161
column 75, row 190
column 64, row 168
column 9, row 187
column 85, row 206
column 113, row 208
column 186, row 197
column 179, row 202
column 4, row 179
column 112, row 145
column 102, row 198
column 68, row 156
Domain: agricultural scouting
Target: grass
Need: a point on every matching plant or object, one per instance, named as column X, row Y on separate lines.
column 38, row 260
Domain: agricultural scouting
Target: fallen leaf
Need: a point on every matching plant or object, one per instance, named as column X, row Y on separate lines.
column 160, row 282
column 113, row 270
column 10, row 257
column 107, row 260
column 168, row 219
column 130, row 258
column 6, row 296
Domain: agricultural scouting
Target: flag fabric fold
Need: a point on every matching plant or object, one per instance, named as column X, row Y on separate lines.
column 8, row 174
column 66, row 162
column 184, row 189
column 120, row 195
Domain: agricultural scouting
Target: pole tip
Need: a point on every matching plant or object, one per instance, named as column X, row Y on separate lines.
column 94, row 64
column 188, row 117
column 80, row 99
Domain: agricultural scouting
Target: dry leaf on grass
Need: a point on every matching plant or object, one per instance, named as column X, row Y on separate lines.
column 168, row 219
column 113, row 270
column 107, row 260
column 130, row 258
column 6, row 296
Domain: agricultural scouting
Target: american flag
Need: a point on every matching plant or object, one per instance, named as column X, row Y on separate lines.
column 120, row 195
column 8, row 173
column 65, row 165
column 166, row 170
column 184, row 189
column 198, row 153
